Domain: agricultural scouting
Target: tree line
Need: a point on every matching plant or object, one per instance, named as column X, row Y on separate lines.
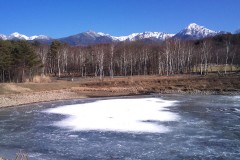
column 18, row 61
column 21, row 60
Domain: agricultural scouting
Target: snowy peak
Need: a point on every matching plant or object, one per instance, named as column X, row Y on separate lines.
column 3, row 37
column 194, row 26
column 87, row 38
column 17, row 35
column 94, row 34
column 91, row 33
column 145, row 35
column 156, row 35
column 195, row 31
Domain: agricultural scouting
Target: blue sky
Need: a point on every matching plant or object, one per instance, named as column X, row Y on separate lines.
column 59, row 18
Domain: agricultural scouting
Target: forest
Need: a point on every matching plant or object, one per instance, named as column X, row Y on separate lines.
column 20, row 61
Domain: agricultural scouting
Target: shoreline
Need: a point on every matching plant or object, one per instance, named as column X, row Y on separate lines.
column 15, row 100
column 16, row 94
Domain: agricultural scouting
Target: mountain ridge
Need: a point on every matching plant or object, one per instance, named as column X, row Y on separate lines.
column 19, row 36
column 192, row 32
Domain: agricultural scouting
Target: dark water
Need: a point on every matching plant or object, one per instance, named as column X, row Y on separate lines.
column 208, row 128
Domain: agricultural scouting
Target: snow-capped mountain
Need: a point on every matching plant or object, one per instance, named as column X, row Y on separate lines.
column 145, row 35
column 194, row 31
column 191, row 32
column 18, row 36
column 91, row 37
column 3, row 37
column 86, row 38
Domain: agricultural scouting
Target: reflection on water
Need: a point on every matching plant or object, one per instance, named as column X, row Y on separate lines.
column 156, row 127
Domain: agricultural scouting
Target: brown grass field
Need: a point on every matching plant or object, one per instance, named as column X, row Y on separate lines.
column 12, row 94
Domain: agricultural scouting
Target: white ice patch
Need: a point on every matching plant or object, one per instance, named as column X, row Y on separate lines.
column 121, row 115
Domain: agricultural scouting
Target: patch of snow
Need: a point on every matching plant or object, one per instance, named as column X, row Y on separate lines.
column 103, row 34
column 39, row 37
column 120, row 115
column 93, row 34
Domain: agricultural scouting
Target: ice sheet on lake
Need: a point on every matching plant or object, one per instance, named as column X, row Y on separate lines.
column 122, row 115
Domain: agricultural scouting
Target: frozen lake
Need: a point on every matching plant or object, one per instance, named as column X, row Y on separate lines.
column 144, row 127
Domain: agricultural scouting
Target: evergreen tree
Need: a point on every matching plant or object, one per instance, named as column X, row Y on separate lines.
column 5, row 60
column 25, row 60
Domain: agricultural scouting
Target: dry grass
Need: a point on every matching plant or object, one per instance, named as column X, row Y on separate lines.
column 41, row 79
column 24, row 93
column 124, row 84
column 219, row 68
column 35, row 87
column 149, row 84
column 13, row 88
